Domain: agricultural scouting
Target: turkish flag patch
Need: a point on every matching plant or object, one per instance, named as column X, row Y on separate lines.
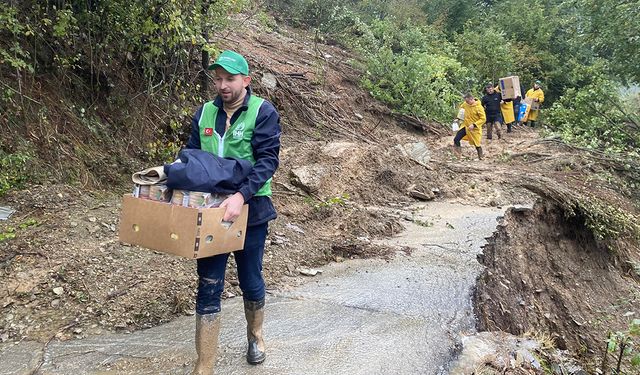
column 208, row 131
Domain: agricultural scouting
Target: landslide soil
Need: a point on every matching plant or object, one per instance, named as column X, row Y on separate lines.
column 548, row 275
column 66, row 275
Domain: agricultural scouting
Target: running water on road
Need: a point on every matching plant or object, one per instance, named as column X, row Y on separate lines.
column 403, row 316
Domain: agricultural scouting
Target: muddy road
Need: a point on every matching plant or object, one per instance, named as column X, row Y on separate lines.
column 401, row 316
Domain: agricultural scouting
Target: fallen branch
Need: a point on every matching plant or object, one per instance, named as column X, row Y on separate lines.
column 295, row 74
column 118, row 293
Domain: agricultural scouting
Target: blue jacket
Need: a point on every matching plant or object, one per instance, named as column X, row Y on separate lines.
column 202, row 171
column 266, row 149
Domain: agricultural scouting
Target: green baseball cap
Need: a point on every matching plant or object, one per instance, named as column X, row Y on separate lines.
column 538, row 82
column 232, row 62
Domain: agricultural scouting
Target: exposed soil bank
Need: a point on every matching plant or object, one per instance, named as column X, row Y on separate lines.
column 546, row 273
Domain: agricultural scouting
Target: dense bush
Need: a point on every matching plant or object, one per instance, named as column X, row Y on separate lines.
column 416, row 83
column 157, row 37
column 13, row 168
column 318, row 14
column 412, row 69
column 78, row 77
column 595, row 117
column 486, row 51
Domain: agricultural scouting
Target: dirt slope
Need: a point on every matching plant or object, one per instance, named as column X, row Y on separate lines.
column 548, row 273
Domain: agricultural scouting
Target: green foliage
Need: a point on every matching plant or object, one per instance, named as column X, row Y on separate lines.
column 423, row 223
column 621, row 346
column 411, row 68
column 332, row 201
column 122, row 69
column 522, row 22
column 163, row 151
column 611, row 29
column 325, row 207
column 403, row 38
column 11, row 232
column 450, row 15
column 547, row 40
column 418, row 56
column 11, row 32
column 8, row 234
column 317, row 14
column 594, row 116
column 401, row 11
column 267, row 21
column 160, row 37
column 417, row 83
column 13, row 168
column 607, row 221
column 28, row 223
column 486, row 51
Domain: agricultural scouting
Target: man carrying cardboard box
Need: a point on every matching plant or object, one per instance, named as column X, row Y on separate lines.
column 537, row 95
column 240, row 125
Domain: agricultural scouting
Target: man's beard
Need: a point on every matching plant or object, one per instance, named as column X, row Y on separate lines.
column 232, row 99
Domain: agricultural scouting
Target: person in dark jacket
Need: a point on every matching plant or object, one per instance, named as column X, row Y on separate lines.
column 491, row 103
column 199, row 170
column 240, row 125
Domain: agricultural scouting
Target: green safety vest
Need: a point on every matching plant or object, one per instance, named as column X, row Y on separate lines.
column 236, row 142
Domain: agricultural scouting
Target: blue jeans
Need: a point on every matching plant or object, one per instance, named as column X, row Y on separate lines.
column 211, row 272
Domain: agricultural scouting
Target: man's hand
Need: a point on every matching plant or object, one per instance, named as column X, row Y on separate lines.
column 233, row 206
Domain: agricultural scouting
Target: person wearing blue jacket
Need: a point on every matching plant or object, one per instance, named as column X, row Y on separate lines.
column 239, row 125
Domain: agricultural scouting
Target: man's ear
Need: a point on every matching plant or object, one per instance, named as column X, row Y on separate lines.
column 246, row 80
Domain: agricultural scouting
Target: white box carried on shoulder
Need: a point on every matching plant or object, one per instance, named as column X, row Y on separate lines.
column 510, row 87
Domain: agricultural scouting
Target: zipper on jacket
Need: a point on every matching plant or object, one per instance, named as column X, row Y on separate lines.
column 220, row 144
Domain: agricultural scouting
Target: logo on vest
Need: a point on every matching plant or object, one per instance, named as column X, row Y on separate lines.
column 238, row 131
column 208, row 131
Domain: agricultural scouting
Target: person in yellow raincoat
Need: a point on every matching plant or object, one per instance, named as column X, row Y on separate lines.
column 471, row 128
column 506, row 108
column 537, row 95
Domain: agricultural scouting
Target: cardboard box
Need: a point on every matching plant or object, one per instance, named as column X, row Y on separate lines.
column 510, row 87
column 185, row 231
column 535, row 105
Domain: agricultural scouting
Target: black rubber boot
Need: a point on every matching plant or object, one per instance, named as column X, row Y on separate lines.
column 254, row 312
column 480, row 155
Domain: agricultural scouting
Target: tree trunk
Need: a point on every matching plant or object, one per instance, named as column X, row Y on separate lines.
column 204, row 78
